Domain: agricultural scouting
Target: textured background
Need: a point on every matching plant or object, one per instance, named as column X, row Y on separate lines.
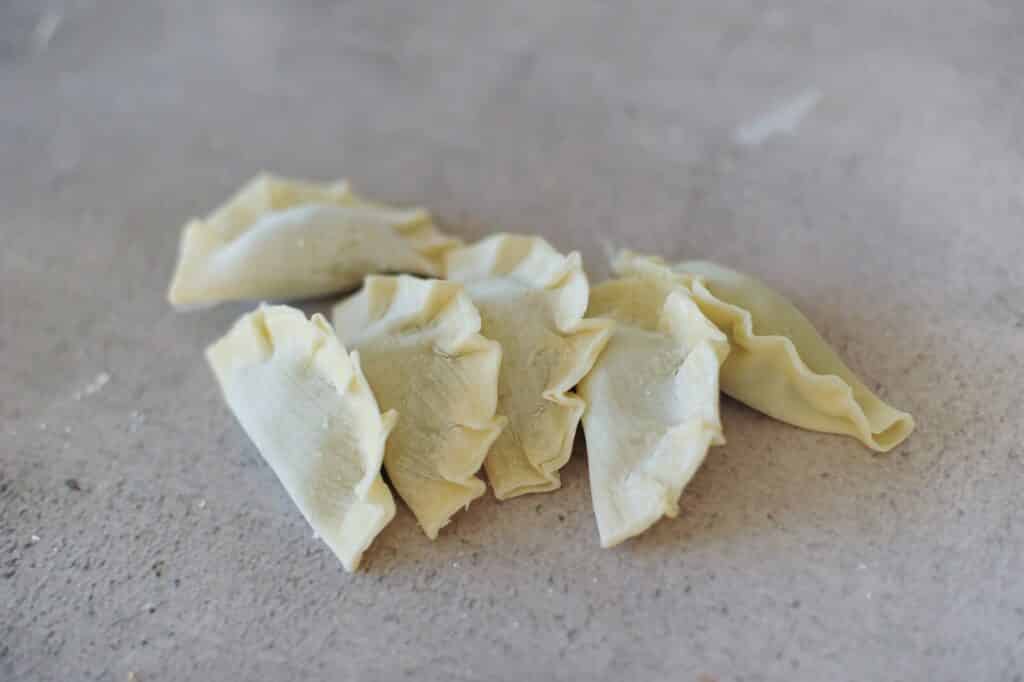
column 140, row 533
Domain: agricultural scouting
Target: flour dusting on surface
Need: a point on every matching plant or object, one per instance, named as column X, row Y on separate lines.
column 784, row 119
column 45, row 29
column 94, row 386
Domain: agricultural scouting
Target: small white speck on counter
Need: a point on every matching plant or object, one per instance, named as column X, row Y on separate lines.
column 784, row 119
column 45, row 29
column 201, row 503
column 137, row 420
column 94, row 386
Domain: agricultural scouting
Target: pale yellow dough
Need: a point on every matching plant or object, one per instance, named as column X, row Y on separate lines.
column 652, row 403
column 779, row 363
column 422, row 352
column 279, row 239
column 532, row 300
column 310, row 412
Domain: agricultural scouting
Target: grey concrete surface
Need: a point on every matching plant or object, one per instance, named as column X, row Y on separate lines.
column 865, row 158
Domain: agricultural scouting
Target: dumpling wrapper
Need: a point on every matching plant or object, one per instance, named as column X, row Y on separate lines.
column 532, row 300
column 423, row 355
column 310, row 412
column 780, row 364
column 280, row 239
column 652, row 403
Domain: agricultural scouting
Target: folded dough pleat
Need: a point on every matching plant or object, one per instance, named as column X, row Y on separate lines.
column 779, row 363
column 422, row 352
column 532, row 300
column 284, row 239
column 652, row 401
column 307, row 407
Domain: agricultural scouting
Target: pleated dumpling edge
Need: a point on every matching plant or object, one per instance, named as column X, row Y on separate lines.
column 304, row 402
column 422, row 352
column 533, row 300
column 653, row 403
column 281, row 239
column 780, row 364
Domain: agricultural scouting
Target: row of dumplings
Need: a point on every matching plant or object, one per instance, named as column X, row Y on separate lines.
column 491, row 368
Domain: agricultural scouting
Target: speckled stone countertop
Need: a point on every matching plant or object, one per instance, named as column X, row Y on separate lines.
column 867, row 159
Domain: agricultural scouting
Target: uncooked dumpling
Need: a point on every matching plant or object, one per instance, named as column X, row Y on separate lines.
column 422, row 352
column 532, row 300
column 307, row 407
column 652, row 403
column 779, row 363
column 282, row 239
